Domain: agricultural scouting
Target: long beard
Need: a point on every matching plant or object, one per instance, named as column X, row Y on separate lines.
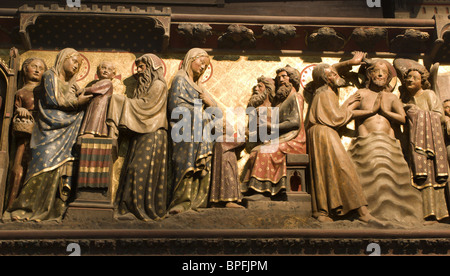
column 339, row 82
column 144, row 83
column 283, row 92
column 257, row 99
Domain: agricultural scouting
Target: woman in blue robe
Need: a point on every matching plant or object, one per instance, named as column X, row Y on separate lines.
column 191, row 157
column 60, row 113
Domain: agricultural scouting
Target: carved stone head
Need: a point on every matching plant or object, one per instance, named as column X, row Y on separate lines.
column 106, row 70
column 33, row 69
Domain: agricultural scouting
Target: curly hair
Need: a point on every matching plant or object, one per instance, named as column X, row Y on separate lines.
column 293, row 74
column 423, row 74
column 149, row 76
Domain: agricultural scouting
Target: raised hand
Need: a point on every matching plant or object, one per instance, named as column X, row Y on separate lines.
column 358, row 57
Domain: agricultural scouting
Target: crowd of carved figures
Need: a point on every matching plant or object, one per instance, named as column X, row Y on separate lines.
column 395, row 169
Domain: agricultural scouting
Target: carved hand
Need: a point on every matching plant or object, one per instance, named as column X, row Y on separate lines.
column 23, row 113
column 206, row 100
column 83, row 98
column 356, row 97
column 377, row 104
column 358, row 56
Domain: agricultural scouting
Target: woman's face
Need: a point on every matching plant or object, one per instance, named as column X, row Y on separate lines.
column 199, row 65
column 72, row 65
column 35, row 70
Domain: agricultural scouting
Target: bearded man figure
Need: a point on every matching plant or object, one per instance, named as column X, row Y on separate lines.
column 335, row 186
column 142, row 191
column 265, row 172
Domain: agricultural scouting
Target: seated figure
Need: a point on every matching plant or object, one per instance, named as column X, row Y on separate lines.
column 265, row 173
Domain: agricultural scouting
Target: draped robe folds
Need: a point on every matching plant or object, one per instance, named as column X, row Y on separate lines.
column 335, row 185
column 266, row 172
column 191, row 160
column 54, row 135
column 142, row 114
column 424, row 119
column 225, row 185
column 95, row 116
column 143, row 186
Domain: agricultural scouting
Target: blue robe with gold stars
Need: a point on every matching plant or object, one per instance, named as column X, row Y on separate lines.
column 191, row 160
column 57, row 127
column 52, row 141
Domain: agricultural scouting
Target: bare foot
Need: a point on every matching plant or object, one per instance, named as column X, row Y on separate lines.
column 234, row 205
column 175, row 210
column 87, row 135
column 364, row 214
column 323, row 218
column 430, row 222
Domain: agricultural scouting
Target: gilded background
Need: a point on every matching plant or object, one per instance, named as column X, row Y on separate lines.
column 229, row 79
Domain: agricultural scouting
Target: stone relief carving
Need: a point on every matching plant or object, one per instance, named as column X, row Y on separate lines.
column 160, row 169
column 195, row 34
column 279, row 34
column 367, row 38
column 410, row 41
column 237, row 36
column 325, row 39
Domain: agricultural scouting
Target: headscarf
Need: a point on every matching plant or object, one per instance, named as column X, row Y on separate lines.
column 62, row 95
column 192, row 55
column 154, row 71
column 61, row 58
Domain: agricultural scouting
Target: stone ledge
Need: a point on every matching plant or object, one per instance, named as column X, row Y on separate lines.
column 225, row 242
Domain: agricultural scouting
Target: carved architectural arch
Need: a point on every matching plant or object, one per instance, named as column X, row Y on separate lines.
column 95, row 28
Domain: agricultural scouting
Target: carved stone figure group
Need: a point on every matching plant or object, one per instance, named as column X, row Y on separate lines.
column 395, row 170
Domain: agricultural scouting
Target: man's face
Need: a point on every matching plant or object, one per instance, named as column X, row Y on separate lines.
column 106, row 71
column 72, row 65
column 333, row 77
column 413, row 81
column 259, row 88
column 379, row 74
column 447, row 108
column 283, row 78
column 140, row 68
column 35, row 70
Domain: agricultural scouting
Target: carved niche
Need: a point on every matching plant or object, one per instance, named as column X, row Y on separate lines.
column 95, row 28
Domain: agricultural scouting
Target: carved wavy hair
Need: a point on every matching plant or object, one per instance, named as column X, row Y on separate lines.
column 371, row 67
column 149, row 75
column 269, row 91
column 293, row 74
column 423, row 74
